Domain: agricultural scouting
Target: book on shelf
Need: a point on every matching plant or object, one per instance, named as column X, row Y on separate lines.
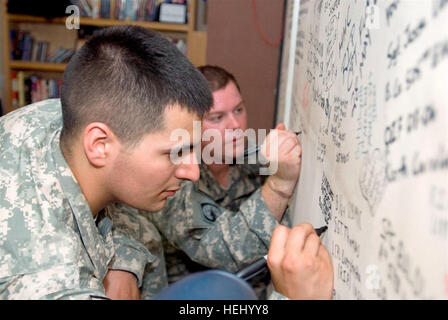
column 25, row 48
column 14, row 89
column 173, row 13
column 201, row 15
column 21, row 87
column 28, row 88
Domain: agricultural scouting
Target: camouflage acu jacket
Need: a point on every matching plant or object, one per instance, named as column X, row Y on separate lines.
column 217, row 227
column 50, row 245
column 207, row 226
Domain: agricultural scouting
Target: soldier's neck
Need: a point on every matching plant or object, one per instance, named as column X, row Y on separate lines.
column 221, row 173
column 88, row 179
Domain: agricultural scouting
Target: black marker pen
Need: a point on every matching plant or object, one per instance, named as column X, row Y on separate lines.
column 260, row 265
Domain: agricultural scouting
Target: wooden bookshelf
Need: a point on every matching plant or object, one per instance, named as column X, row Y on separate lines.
column 196, row 41
column 37, row 66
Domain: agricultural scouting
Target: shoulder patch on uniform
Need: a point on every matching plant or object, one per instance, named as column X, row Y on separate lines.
column 210, row 211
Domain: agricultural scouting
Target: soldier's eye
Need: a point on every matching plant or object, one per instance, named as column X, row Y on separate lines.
column 216, row 118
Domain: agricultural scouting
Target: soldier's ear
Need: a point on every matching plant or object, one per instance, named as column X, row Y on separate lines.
column 99, row 143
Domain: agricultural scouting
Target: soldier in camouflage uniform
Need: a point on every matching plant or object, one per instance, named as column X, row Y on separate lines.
column 225, row 220
column 67, row 166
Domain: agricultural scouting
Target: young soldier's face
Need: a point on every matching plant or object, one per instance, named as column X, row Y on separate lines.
column 145, row 175
column 228, row 112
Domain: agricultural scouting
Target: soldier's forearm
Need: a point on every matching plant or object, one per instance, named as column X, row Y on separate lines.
column 275, row 201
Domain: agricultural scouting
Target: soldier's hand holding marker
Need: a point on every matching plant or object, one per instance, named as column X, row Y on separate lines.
column 299, row 264
column 283, row 151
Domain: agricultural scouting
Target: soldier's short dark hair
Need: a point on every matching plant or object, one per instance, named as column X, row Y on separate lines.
column 125, row 77
column 217, row 77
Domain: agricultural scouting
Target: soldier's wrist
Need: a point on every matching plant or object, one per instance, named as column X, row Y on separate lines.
column 283, row 190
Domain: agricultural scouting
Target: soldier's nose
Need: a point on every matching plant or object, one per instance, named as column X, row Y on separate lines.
column 188, row 172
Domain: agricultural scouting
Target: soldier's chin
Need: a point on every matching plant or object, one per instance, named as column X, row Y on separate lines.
column 155, row 206
column 236, row 151
column 234, row 160
column 239, row 150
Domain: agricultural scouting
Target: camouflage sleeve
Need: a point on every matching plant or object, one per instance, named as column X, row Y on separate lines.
column 43, row 263
column 154, row 279
column 277, row 296
column 138, row 246
column 48, row 284
column 287, row 218
column 232, row 241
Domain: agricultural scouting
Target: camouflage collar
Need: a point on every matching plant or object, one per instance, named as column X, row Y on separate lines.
column 100, row 250
column 241, row 182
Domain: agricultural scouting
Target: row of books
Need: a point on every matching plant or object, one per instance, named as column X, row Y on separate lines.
column 29, row 88
column 131, row 10
column 25, row 47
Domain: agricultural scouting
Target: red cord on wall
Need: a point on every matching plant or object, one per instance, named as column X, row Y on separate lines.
column 260, row 31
